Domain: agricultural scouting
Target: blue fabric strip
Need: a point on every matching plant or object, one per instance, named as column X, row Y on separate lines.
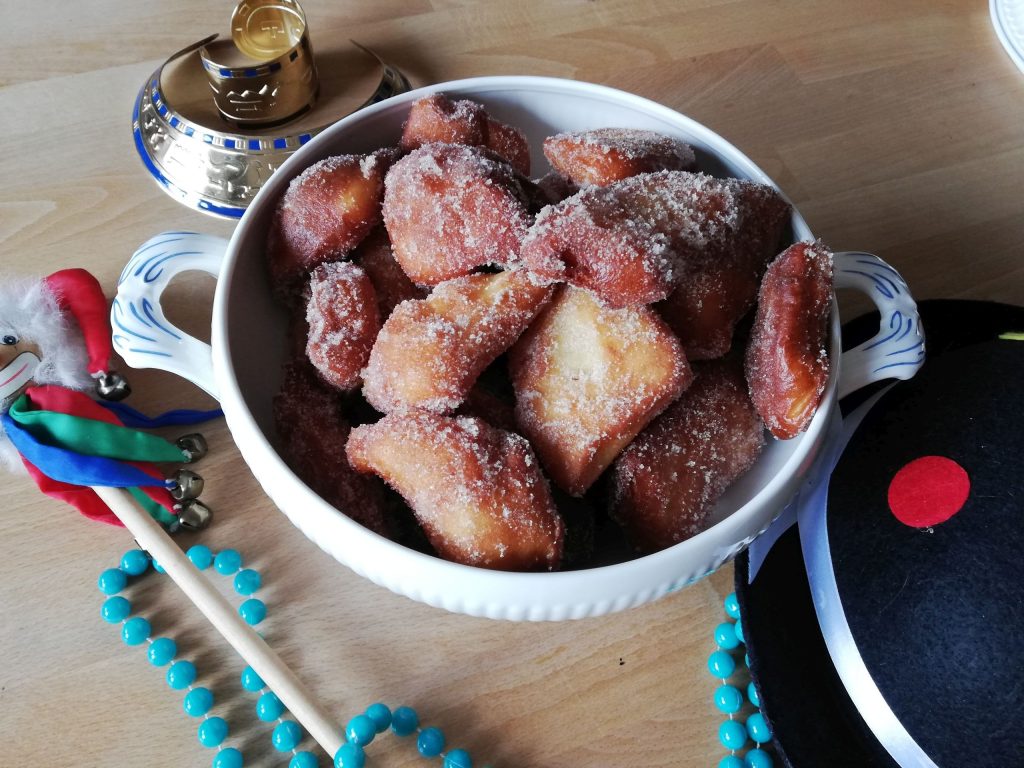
column 132, row 418
column 75, row 468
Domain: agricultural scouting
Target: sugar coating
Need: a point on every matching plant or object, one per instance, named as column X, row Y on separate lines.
column 476, row 490
column 430, row 352
column 438, row 119
column 630, row 242
column 311, row 435
column 510, row 143
column 449, row 209
column 605, row 155
column 787, row 363
column 720, row 287
column 343, row 321
column 668, row 480
column 325, row 212
column 588, row 378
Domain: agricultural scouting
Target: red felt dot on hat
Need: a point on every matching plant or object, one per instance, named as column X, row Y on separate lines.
column 928, row 491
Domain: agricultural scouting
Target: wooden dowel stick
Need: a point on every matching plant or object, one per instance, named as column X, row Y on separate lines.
column 225, row 618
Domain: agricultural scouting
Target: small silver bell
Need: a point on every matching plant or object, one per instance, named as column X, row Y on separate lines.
column 187, row 485
column 193, row 446
column 112, row 386
column 194, row 516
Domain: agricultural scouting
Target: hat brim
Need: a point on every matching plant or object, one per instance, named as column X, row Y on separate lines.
column 813, row 719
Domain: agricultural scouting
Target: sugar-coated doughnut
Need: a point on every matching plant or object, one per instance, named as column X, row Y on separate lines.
column 343, row 321
column 605, row 155
column 666, row 482
column 430, row 352
column 787, row 363
column 450, row 209
column 477, row 490
column 588, row 378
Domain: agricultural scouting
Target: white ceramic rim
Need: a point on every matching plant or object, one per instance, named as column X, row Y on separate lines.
column 397, row 567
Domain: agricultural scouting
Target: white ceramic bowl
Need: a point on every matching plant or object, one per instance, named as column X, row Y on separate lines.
column 249, row 342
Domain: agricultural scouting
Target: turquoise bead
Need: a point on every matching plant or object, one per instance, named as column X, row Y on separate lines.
column 725, row 636
column 197, row 702
column 115, row 610
column 738, row 628
column 201, row 556
column 458, row 758
column 158, row 568
column 227, row 562
column 134, row 562
column 728, row 699
column 135, row 631
column 757, row 758
column 721, row 664
column 181, row 674
column 360, row 730
column 247, row 581
column 349, row 756
column 251, row 681
column 732, row 734
column 112, row 581
column 430, row 742
column 229, row 757
column 304, row 760
column 380, row 715
column 162, row 651
column 731, row 761
column 212, row 731
column 286, row 736
column 253, row 611
column 757, row 728
column 269, row 707
column 752, row 694
column 404, row 721
column 732, row 606
column 746, row 659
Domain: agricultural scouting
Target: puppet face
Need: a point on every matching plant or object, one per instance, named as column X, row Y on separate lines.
column 38, row 344
column 18, row 363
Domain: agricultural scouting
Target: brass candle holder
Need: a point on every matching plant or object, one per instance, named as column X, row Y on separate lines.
column 216, row 161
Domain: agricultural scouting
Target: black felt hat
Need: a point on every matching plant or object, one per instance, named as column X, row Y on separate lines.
column 923, row 532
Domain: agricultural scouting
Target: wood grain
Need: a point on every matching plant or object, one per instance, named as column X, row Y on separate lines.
column 894, row 127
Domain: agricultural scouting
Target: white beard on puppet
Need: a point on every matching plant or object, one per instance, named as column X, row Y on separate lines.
column 29, row 312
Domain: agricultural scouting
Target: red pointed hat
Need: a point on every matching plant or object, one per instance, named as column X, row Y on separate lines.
column 78, row 292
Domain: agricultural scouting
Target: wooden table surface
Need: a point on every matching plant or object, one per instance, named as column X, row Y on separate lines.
column 895, row 127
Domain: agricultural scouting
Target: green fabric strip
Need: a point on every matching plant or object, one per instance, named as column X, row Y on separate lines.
column 94, row 438
column 158, row 513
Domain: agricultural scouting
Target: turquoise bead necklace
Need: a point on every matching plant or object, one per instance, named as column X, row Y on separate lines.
column 729, row 700
column 198, row 701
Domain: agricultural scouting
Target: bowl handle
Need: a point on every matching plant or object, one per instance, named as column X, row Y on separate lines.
column 142, row 335
column 897, row 350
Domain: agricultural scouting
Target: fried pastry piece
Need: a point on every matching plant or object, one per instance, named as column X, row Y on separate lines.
column 325, row 213
column 312, row 432
column 665, row 484
column 449, row 209
column 438, row 119
column 343, row 322
column 510, row 143
column 588, row 378
column 430, row 352
column 787, row 361
column 720, row 287
column 632, row 241
column 390, row 282
column 477, row 491
column 605, row 155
